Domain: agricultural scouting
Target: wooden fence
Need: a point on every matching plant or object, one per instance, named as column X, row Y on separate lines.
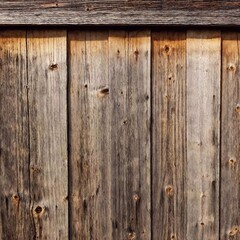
column 119, row 134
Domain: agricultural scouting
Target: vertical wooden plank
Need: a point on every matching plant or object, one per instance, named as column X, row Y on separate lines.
column 109, row 135
column 47, row 75
column 169, row 135
column 230, row 141
column 90, row 159
column 129, row 68
column 15, row 218
column 203, row 112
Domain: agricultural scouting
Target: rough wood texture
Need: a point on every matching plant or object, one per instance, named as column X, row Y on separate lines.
column 105, row 12
column 168, row 135
column 109, row 135
column 203, row 127
column 143, row 147
column 15, row 219
column 230, row 145
column 47, row 76
column 89, row 136
column 129, row 68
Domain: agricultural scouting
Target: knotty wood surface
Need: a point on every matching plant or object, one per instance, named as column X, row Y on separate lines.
column 230, row 141
column 203, row 134
column 110, row 110
column 169, row 135
column 15, row 218
column 47, row 96
column 119, row 134
column 110, row 12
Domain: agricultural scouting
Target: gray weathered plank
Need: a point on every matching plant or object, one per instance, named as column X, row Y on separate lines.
column 168, row 135
column 129, row 69
column 203, row 127
column 154, row 12
column 109, row 135
column 47, row 74
column 15, row 218
column 230, row 141
column 89, row 136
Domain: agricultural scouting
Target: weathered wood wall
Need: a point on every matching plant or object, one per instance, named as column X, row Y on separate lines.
column 119, row 134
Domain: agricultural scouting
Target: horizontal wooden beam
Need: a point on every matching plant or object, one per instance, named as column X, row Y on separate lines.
column 121, row 13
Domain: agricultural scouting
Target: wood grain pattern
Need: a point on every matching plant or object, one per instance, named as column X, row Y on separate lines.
column 168, row 135
column 203, row 127
column 111, row 12
column 47, row 86
column 15, row 218
column 89, row 136
column 129, row 69
column 131, row 136
column 109, row 135
column 230, row 142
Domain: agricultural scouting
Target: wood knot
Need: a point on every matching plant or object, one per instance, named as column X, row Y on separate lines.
column 237, row 109
column 173, row 236
column 136, row 54
column 203, row 195
column 53, row 66
column 202, row 223
column 232, row 162
column 131, row 236
column 231, row 67
column 16, row 199
column 169, row 191
column 136, row 198
column 38, row 211
column 166, row 49
column 234, row 231
column 35, row 169
column 103, row 92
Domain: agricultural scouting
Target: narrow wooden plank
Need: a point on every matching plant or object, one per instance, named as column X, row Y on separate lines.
column 109, row 135
column 169, row 135
column 129, row 69
column 15, row 219
column 47, row 75
column 89, row 136
column 112, row 12
column 203, row 127
column 230, row 142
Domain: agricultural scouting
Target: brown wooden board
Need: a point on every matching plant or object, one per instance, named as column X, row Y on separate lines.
column 47, row 94
column 15, row 218
column 169, row 135
column 203, row 134
column 230, row 140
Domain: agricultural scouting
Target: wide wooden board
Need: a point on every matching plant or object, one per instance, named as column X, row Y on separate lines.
column 47, row 87
column 203, row 134
column 109, row 134
column 169, row 135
